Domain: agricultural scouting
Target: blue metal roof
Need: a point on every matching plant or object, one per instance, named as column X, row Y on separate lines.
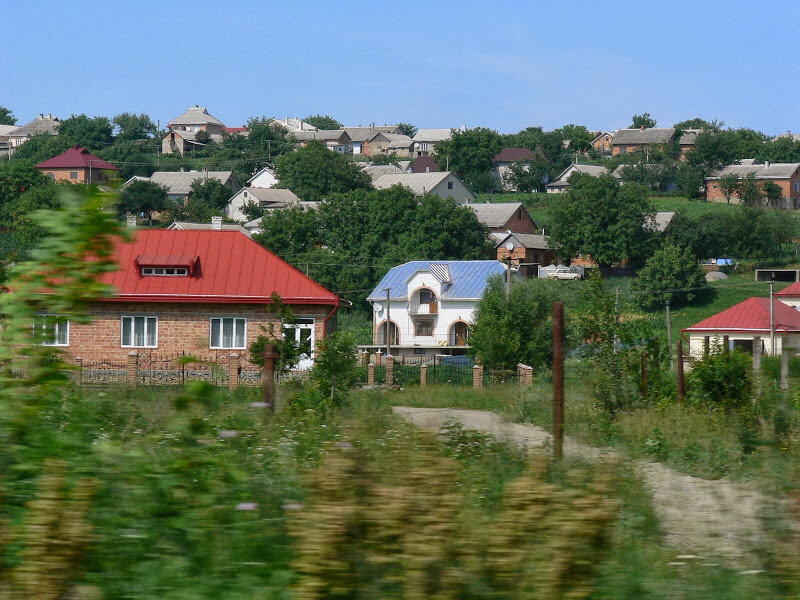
column 469, row 278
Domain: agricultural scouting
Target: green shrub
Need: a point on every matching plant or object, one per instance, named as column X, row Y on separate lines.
column 721, row 380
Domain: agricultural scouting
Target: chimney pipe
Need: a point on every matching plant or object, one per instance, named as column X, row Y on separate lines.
column 216, row 223
column 642, row 127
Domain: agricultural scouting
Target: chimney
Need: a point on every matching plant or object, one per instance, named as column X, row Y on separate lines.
column 197, row 106
column 216, row 223
column 766, row 164
column 428, row 169
column 130, row 221
column 41, row 115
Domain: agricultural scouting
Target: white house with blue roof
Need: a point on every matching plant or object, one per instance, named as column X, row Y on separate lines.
column 427, row 307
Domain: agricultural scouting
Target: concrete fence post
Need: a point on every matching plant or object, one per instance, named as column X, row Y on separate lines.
column 520, row 375
column 757, row 365
column 529, row 376
column 784, row 365
column 477, row 376
column 423, row 375
column 371, row 374
column 132, row 368
column 389, row 369
column 233, row 371
column 79, row 370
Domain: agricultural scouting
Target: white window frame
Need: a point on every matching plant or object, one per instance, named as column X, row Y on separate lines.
column 40, row 322
column 221, row 346
column 133, row 332
column 164, row 271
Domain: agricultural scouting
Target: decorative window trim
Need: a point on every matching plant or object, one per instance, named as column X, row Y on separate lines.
column 220, row 342
column 133, row 331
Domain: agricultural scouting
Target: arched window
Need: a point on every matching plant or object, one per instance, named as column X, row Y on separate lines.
column 459, row 334
column 394, row 334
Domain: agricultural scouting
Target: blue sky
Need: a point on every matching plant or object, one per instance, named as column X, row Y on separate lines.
column 504, row 65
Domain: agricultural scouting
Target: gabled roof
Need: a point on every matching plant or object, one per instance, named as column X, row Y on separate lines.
column 41, row 124
column 228, row 267
column 6, row 130
column 274, row 195
column 792, row 291
column 660, row 222
column 432, row 135
column 495, row 215
column 197, row 115
column 689, row 137
column 469, row 278
column 601, row 134
column 522, row 240
column 191, row 136
column 419, row 183
column 180, row 182
column 293, row 124
column 76, row 158
column 765, row 171
column 654, row 135
column 752, row 315
column 593, row 170
column 512, row 155
column 362, row 134
column 191, row 226
column 375, row 171
column 425, row 164
column 261, row 171
column 325, row 135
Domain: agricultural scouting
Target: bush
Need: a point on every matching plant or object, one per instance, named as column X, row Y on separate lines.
column 670, row 274
column 722, row 379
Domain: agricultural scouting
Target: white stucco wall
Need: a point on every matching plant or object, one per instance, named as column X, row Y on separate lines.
column 696, row 341
column 233, row 210
column 263, row 179
column 459, row 192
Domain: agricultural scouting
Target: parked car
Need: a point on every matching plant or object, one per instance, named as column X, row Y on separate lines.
column 563, row 273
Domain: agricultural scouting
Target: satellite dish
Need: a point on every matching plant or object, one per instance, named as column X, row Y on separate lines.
column 378, row 307
column 509, row 245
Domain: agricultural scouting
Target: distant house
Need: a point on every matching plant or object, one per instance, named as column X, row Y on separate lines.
column 430, row 306
column 292, row 124
column 196, row 292
column 526, row 250
column 5, row 137
column 743, row 323
column 264, row 178
column 504, row 217
column 627, row 141
column 388, row 144
column 360, row 136
column 688, row 140
column 561, row 184
column 602, row 142
column 266, row 198
column 335, row 140
column 784, row 175
column 184, row 129
column 425, row 164
column 41, row 125
column 179, row 183
column 444, row 184
column 216, row 224
column 77, row 165
column 425, row 139
column 375, row 171
column 503, row 161
column 660, row 222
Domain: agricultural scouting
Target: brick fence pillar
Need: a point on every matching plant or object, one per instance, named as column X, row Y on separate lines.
column 423, row 374
column 79, row 370
column 365, row 358
column 370, row 374
column 477, row 376
column 528, row 373
column 378, row 356
column 132, row 368
column 389, row 369
column 233, row 371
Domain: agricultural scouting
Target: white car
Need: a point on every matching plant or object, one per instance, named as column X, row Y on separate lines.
column 563, row 273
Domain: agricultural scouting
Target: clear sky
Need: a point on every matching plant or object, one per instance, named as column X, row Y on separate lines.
column 492, row 63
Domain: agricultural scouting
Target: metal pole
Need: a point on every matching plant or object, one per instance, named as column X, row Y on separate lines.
column 681, row 388
column 508, row 278
column 388, row 322
column 558, row 380
column 669, row 337
column 772, row 317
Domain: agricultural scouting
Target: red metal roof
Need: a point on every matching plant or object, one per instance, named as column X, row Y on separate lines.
column 751, row 315
column 229, row 267
column 512, row 155
column 791, row 291
column 76, row 157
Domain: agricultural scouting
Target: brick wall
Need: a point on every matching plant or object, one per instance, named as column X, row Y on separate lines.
column 81, row 175
column 713, row 191
column 181, row 327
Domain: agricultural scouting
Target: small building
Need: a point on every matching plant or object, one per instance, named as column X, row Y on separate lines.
column 425, row 164
column 5, row 138
column 743, row 323
column 292, row 124
column 215, row 224
column 266, row 198
column 41, row 125
column 179, row 183
column 790, row 295
column 335, row 140
column 425, row 139
column 264, row 178
column 183, row 130
column 626, row 141
column 182, row 141
column 502, row 162
column 445, row 184
column 77, row 165
column 561, row 184
column 199, row 293
column 389, row 144
column 602, row 142
column 504, row 217
column 375, row 171
column 430, row 306
column 785, row 175
column 527, row 251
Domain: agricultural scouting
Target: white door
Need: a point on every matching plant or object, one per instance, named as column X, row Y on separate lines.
column 303, row 334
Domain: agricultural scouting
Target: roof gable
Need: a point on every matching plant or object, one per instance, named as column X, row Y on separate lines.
column 468, row 277
column 180, row 182
column 76, row 158
column 196, row 115
column 495, row 215
column 653, row 135
column 419, row 183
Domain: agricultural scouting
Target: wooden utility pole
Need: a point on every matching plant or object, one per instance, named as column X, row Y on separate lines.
column 681, row 388
column 669, row 337
column 558, row 380
column 269, row 377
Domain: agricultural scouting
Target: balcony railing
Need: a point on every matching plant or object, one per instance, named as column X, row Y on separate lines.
column 450, row 339
column 424, row 308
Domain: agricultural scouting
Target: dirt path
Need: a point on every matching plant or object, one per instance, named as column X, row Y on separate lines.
column 699, row 516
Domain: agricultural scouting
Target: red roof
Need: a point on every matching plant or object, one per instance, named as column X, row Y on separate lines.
column 513, row 155
column 425, row 164
column 226, row 266
column 751, row 315
column 791, row 291
column 76, row 158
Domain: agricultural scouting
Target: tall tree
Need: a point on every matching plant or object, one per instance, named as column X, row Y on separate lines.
column 728, row 185
column 134, row 127
column 601, row 219
column 749, row 190
column 92, row 133
column 698, row 123
column 470, row 154
column 670, row 274
column 643, row 120
column 314, row 172
column 323, row 121
column 407, row 129
column 7, row 117
column 142, row 196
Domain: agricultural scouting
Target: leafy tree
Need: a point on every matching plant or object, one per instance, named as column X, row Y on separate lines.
column 772, row 192
column 134, row 127
column 212, row 192
column 407, row 129
column 728, row 185
column 749, row 190
column 134, row 157
column 721, row 379
column 470, row 153
column 323, row 121
column 601, row 219
column 674, row 270
column 17, row 177
column 203, row 137
column 93, row 133
column 690, row 179
column 264, row 142
column 314, row 172
column 41, row 147
column 580, row 138
column 507, row 332
column 17, row 215
column 643, row 120
column 287, row 348
column 7, row 117
column 698, row 123
column 528, row 176
column 142, row 196
column 335, row 364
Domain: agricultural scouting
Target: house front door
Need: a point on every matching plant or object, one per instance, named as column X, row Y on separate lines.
column 303, row 333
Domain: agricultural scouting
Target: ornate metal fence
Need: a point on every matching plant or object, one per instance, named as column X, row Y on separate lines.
column 103, row 372
column 249, row 372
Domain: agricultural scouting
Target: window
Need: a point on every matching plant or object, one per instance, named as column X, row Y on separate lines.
column 797, row 186
column 420, row 351
column 139, row 332
column 425, row 296
column 228, row 332
column 423, row 328
column 449, row 185
column 73, row 174
column 49, row 330
column 164, row 271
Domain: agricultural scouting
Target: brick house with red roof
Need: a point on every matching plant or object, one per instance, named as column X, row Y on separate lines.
column 744, row 322
column 77, row 165
column 196, row 292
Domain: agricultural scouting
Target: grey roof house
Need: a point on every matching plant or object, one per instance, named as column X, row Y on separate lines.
column 179, row 183
column 267, row 198
column 561, row 184
column 445, row 184
column 504, row 217
column 43, row 124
